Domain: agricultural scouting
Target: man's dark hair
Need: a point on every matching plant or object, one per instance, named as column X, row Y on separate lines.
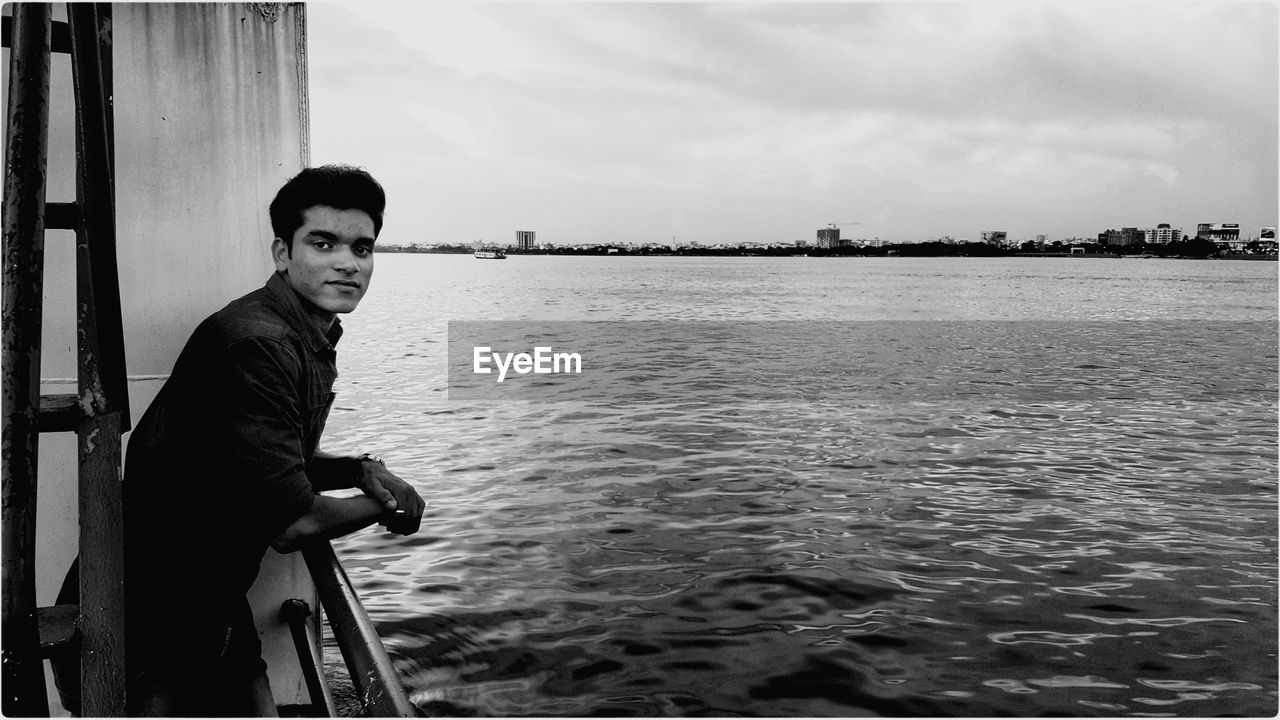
column 341, row 187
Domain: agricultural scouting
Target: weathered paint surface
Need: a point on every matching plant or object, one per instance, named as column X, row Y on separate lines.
column 23, row 248
column 210, row 119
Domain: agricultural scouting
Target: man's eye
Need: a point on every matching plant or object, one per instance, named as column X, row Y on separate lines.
column 362, row 250
column 320, row 244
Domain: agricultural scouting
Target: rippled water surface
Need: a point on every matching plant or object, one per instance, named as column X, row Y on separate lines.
column 848, row 487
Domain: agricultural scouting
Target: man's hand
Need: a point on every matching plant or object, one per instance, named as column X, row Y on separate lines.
column 403, row 505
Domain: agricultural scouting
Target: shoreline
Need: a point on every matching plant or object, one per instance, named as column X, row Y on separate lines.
column 400, row 250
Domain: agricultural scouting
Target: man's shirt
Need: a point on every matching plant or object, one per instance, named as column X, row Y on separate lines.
column 217, row 467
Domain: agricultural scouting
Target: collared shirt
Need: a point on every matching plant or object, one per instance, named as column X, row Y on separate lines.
column 217, row 466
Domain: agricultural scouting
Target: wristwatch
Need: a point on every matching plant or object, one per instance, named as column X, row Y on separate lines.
column 371, row 458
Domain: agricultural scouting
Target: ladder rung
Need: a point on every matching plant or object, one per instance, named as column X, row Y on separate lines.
column 59, row 413
column 57, row 627
column 61, row 216
column 59, row 40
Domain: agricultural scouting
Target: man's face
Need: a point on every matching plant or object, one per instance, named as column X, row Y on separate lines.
column 331, row 260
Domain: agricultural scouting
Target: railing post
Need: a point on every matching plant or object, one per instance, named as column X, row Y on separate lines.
column 375, row 679
column 296, row 613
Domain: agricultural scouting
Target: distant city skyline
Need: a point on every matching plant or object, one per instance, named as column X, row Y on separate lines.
column 720, row 122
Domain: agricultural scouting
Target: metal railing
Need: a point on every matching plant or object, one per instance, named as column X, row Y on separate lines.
column 378, row 686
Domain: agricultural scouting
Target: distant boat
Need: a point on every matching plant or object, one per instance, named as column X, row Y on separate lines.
column 491, row 255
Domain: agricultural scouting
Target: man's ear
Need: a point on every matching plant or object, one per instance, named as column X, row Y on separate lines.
column 280, row 253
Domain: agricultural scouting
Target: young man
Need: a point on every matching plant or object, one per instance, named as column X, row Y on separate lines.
column 224, row 463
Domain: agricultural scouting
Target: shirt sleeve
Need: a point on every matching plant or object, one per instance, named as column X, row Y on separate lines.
column 267, row 465
column 333, row 473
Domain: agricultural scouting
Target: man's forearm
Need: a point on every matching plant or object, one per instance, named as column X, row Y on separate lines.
column 329, row 518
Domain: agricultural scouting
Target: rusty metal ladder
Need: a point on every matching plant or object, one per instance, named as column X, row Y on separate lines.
column 99, row 412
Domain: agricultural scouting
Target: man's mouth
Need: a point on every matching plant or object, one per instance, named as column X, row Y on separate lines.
column 346, row 283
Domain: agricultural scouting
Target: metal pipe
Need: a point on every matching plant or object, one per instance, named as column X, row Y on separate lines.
column 24, row 195
column 103, row 387
column 374, row 677
column 295, row 613
column 101, row 382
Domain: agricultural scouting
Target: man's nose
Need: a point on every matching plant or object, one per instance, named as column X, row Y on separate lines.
column 345, row 260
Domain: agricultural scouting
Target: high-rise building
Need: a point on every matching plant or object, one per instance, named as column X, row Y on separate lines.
column 829, row 237
column 1162, row 234
column 525, row 239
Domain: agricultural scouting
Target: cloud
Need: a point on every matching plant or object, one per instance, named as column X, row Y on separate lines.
column 766, row 120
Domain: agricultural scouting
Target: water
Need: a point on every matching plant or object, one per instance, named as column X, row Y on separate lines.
column 1030, row 486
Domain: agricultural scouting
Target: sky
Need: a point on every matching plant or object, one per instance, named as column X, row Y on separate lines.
column 726, row 122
